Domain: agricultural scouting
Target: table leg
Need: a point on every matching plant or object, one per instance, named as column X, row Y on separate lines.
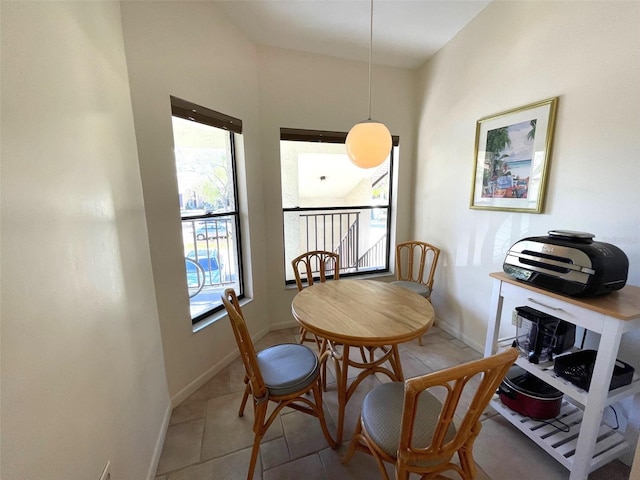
column 345, row 391
column 395, row 364
column 341, row 379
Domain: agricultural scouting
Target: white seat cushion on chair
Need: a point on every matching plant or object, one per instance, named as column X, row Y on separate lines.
column 382, row 417
column 419, row 288
column 288, row 367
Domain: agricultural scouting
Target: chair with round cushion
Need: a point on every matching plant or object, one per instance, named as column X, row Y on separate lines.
column 411, row 423
column 283, row 374
column 416, row 266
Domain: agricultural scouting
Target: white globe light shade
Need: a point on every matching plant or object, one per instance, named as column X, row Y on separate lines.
column 368, row 144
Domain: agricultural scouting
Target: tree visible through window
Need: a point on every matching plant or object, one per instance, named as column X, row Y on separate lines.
column 330, row 204
column 206, row 170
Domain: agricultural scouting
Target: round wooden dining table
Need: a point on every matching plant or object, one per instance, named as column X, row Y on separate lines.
column 364, row 314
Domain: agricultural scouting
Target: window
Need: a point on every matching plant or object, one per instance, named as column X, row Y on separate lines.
column 330, row 204
column 206, row 169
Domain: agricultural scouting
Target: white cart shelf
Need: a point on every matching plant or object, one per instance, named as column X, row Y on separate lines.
column 589, row 444
column 560, row 444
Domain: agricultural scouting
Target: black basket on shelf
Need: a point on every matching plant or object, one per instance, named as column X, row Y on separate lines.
column 577, row 367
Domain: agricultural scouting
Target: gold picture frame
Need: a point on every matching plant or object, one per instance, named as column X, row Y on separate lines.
column 512, row 155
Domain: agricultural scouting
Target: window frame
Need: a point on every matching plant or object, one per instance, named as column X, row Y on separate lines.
column 326, row 136
column 196, row 113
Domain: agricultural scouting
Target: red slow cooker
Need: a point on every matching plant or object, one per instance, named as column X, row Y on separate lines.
column 526, row 394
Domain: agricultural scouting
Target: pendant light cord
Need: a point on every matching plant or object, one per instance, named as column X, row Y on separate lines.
column 370, row 50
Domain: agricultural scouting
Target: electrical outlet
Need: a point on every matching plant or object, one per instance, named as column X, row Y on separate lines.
column 514, row 319
column 106, row 473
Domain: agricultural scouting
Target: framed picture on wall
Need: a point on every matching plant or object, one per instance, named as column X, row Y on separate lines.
column 512, row 153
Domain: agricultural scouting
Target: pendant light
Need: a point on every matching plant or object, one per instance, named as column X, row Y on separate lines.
column 368, row 142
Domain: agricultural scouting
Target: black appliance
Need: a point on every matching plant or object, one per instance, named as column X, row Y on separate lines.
column 569, row 263
column 540, row 336
column 577, row 367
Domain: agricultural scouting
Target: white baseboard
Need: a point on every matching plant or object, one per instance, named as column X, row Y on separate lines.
column 198, row 382
column 284, row 324
column 193, row 387
column 157, row 451
column 463, row 338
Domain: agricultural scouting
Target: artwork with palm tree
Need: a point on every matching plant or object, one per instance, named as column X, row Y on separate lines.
column 508, row 160
column 511, row 157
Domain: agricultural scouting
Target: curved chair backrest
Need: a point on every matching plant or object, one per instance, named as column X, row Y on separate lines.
column 489, row 371
column 245, row 344
column 425, row 408
column 321, row 263
column 416, row 262
column 290, row 378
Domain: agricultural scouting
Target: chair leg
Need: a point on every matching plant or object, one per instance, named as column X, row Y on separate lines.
column 245, row 396
column 353, row 446
column 303, row 335
column 254, row 456
column 362, row 354
column 465, row 454
column 428, row 297
column 317, row 395
column 401, row 473
column 467, row 464
column 359, row 442
column 323, row 374
column 260, row 412
column 324, row 357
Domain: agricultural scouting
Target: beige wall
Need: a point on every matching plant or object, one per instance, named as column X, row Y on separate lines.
column 299, row 90
column 512, row 54
column 84, row 348
column 216, row 66
column 83, row 378
column 189, row 50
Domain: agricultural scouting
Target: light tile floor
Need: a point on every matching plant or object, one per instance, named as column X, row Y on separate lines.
column 207, row 440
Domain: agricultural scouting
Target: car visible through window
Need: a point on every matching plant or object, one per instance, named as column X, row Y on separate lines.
column 214, row 229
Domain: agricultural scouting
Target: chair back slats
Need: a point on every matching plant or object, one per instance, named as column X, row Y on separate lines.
column 319, row 263
column 245, row 343
column 483, row 376
column 292, row 374
column 413, row 259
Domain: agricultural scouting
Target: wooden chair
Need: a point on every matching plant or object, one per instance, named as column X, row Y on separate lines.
column 283, row 374
column 325, row 265
column 415, row 267
column 406, row 424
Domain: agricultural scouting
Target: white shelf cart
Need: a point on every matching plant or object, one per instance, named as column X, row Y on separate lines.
column 589, row 443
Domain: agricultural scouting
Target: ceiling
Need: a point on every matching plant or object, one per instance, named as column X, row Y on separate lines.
column 406, row 33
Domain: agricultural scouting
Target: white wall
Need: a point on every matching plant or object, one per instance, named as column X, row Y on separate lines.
column 512, row 54
column 190, row 50
column 300, row 90
column 83, row 378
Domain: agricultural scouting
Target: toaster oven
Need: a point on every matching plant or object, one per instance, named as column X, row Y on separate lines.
column 569, row 263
